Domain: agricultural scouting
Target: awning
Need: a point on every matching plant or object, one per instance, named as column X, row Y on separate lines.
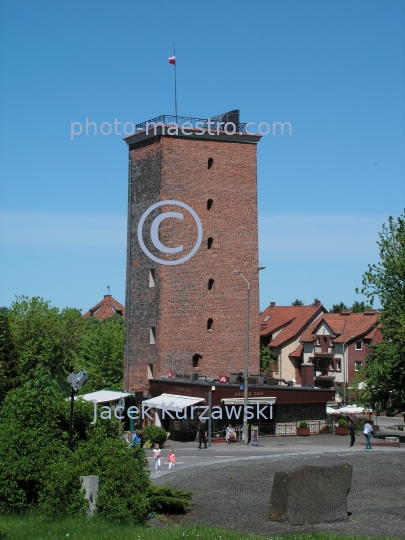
column 251, row 401
column 354, row 409
column 104, row 396
column 171, row 402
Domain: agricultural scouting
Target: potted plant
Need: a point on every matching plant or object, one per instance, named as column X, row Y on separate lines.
column 341, row 428
column 303, row 429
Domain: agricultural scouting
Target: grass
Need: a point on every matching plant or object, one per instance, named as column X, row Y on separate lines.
column 31, row 527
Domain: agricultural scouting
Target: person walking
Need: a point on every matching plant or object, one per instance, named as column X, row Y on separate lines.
column 156, row 454
column 201, row 434
column 367, row 430
column 171, row 459
column 352, row 433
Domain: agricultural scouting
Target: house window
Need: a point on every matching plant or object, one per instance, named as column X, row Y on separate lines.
column 210, row 283
column 359, row 345
column 357, row 365
column 266, row 318
column 152, row 335
column 331, row 366
column 209, row 244
column 209, row 324
column 151, row 277
column 337, row 365
column 210, row 162
column 196, row 358
column 209, row 204
column 150, row 371
column 317, row 341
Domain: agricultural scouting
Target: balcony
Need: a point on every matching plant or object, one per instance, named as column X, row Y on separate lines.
column 325, row 352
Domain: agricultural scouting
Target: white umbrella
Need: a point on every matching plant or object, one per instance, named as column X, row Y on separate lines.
column 331, row 410
column 353, row 409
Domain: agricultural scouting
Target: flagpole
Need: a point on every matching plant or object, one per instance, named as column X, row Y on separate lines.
column 175, row 81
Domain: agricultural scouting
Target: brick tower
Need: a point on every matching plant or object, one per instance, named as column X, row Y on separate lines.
column 190, row 317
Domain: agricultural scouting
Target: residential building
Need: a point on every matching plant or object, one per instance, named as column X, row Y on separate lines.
column 108, row 307
column 281, row 328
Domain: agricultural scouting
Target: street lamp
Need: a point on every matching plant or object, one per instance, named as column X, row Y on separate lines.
column 345, row 368
column 245, row 387
column 76, row 381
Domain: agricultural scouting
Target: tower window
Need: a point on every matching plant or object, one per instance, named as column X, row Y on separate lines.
column 209, row 204
column 210, row 240
column 210, row 162
column 196, row 358
column 151, row 277
column 152, row 335
column 209, row 324
column 210, row 283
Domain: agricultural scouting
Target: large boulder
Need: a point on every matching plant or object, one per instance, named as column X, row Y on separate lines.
column 311, row 494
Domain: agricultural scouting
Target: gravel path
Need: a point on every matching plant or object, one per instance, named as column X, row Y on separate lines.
column 236, row 495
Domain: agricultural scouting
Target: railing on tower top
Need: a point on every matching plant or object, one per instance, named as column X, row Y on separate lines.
column 192, row 123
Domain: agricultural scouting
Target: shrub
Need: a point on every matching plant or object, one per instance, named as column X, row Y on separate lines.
column 154, row 434
column 303, row 423
column 169, row 500
column 342, row 422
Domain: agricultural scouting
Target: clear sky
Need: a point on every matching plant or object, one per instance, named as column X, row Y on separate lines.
column 334, row 70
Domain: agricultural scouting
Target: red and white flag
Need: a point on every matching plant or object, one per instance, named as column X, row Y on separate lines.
column 172, row 60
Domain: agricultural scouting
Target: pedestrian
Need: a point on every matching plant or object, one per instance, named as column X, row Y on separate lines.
column 368, row 430
column 201, row 434
column 171, row 459
column 156, row 454
column 352, row 433
column 230, row 433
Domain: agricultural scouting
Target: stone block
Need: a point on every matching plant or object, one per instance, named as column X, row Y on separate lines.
column 90, row 485
column 311, row 494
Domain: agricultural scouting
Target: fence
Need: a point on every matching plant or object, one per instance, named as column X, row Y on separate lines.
column 290, row 428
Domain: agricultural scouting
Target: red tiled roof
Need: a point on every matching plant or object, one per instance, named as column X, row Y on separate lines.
column 345, row 326
column 297, row 353
column 108, row 307
column 291, row 320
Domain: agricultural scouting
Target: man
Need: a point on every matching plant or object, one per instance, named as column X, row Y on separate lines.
column 201, row 434
column 368, row 429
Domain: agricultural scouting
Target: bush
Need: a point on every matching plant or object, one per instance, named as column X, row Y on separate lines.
column 168, row 500
column 342, row 422
column 303, row 423
column 154, row 434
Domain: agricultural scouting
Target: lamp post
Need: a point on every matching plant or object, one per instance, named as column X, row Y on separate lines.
column 245, row 387
column 76, row 381
column 345, row 368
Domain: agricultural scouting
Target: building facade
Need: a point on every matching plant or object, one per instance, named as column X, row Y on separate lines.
column 190, row 316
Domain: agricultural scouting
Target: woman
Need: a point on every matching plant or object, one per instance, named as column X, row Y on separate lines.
column 352, row 433
column 230, row 433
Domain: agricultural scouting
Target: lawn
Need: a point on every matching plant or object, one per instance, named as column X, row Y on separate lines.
column 30, row 527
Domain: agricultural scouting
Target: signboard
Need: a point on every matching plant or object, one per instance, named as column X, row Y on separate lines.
column 170, row 374
column 223, row 379
column 254, row 436
column 121, row 402
column 241, row 387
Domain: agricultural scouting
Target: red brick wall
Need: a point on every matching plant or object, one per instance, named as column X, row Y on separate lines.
column 180, row 304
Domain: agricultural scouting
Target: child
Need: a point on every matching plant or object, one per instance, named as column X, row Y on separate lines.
column 156, row 454
column 172, row 459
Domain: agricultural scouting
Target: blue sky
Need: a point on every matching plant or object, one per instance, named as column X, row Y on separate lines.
column 334, row 70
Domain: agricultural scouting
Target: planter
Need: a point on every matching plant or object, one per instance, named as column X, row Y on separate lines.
column 303, row 431
column 341, row 430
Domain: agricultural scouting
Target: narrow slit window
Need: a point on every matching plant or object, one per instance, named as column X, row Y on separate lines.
column 210, row 162
column 210, row 283
column 209, row 204
column 152, row 335
column 151, row 277
column 209, row 324
column 196, row 358
column 210, row 240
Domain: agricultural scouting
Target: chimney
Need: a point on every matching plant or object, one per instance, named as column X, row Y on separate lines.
column 272, row 304
column 317, row 303
column 369, row 312
column 345, row 312
column 307, row 374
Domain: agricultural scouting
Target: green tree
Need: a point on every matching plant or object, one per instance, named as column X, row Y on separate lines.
column 8, row 357
column 266, row 360
column 101, row 352
column 384, row 372
column 44, row 337
column 337, row 308
column 297, row 303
